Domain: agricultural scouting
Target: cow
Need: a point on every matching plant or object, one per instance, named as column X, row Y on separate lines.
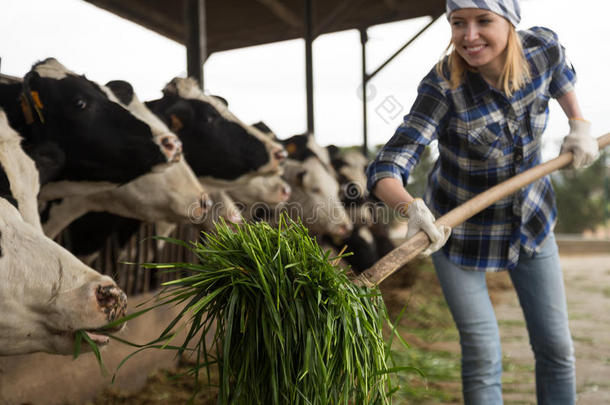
column 220, row 148
column 173, row 195
column 46, row 294
column 87, row 235
column 361, row 245
column 350, row 167
column 19, row 179
column 261, row 196
column 315, row 191
column 80, row 136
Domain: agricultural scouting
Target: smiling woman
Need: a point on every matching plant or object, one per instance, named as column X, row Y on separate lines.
column 480, row 38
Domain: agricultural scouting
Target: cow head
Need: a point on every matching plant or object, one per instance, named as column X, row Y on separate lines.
column 46, row 294
column 350, row 167
column 217, row 144
column 315, row 197
column 268, row 190
column 170, row 144
column 223, row 207
column 99, row 139
column 175, row 195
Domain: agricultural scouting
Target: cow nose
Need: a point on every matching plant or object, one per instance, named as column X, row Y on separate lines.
column 206, row 202
column 172, row 147
column 280, row 154
column 112, row 301
column 201, row 207
column 234, row 218
column 344, row 229
column 285, row 192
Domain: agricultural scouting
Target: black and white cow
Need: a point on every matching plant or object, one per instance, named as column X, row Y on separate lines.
column 315, row 191
column 19, row 178
column 173, row 195
column 220, row 148
column 81, row 138
column 350, row 167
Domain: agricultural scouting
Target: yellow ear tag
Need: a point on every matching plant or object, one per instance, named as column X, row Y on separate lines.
column 176, row 124
column 291, row 148
column 36, row 99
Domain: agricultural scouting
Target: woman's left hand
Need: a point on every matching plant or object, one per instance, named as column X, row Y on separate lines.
column 580, row 142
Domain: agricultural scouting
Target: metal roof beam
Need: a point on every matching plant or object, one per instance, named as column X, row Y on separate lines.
column 338, row 14
column 402, row 48
column 283, row 13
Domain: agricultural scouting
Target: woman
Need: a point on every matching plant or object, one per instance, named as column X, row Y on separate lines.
column 486, row 103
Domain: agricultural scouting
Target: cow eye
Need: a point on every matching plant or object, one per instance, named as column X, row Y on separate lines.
column 80, row 103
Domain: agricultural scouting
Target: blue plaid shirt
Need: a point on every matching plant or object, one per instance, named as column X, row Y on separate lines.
column 484, row 138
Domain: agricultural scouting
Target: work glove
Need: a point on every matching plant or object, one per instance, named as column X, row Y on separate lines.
column 580, row 142
column 421, row 219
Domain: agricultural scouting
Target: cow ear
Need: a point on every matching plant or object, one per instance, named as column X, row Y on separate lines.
column 222, row 100
column 32, row 80
column 179, row 115
column 333, row 151
column 122, row 90
column 291, row 148
column 175, row 124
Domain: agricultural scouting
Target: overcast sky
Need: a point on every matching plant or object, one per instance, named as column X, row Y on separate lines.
column 268, row 82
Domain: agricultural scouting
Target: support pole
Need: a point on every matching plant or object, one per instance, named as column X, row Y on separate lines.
column 402, row 48
column 363, row 40
column 367, row 77
column 196, row 44
column 308, row 23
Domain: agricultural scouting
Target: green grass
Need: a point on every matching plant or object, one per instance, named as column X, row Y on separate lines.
column 286, row 324
column 511, row 323
column 426, row 321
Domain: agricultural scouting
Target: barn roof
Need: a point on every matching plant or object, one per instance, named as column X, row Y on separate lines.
column 234, row 24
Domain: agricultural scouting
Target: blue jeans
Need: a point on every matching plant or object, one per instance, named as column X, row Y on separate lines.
column 538, row 282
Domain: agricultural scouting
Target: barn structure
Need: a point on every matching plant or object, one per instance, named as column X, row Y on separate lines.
column 207, row 26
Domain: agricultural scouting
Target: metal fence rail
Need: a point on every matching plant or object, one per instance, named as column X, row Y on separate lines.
column 123, row 263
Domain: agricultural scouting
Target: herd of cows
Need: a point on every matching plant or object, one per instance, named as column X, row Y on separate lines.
column 78, row 156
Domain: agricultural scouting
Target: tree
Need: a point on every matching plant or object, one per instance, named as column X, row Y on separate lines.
column 581, row 197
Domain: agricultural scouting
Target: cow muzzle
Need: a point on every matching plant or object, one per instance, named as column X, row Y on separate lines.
column 112, row 301
column 171, row 147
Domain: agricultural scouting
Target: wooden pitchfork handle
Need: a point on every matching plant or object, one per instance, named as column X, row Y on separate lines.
column 401, row 255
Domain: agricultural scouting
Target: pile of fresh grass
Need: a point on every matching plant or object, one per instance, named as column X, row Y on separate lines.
column 288, row 326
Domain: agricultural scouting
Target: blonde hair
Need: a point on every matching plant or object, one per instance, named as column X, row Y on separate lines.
column 515, row 73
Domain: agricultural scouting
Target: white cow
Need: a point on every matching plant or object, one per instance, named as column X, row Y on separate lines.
column 315, row 197
column 261, row 195
column 174, row 195
column 46, row 294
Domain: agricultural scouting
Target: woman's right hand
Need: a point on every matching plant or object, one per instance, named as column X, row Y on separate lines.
column 421, row 219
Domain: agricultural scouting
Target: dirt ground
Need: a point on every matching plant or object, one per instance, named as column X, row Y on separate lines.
column 588, row 291
column 587, row 280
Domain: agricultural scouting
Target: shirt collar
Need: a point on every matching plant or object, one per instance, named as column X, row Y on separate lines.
column 477, row 85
